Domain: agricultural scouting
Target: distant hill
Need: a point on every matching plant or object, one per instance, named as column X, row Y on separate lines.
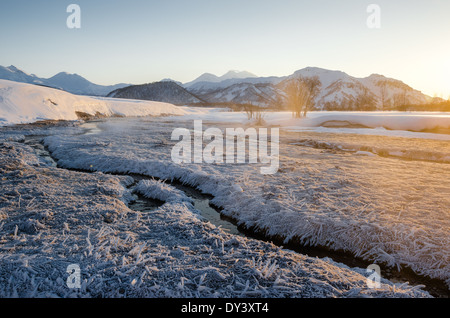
column 165, row 91
column 76, row 84
column 72, row 83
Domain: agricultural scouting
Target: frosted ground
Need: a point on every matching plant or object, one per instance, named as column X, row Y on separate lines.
column 383, row 197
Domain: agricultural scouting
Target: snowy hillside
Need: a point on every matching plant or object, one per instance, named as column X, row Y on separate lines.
column 261, row 94
column 25, row 103
column 72, row 83
column 340, row 90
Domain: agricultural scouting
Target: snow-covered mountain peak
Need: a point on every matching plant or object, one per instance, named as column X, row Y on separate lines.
column 377, row 76
column 236, row 74
column 321, row 73
column 67, row 75
column 207, row 77
column 211, row 78
column 12, row 68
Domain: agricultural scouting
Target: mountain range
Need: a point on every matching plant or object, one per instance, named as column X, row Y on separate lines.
column 72, row 83
column 337, row 89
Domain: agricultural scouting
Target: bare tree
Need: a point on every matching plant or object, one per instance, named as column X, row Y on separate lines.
column 249, row 110
column 300, row 93
column 254, row 112
column 398, row 100
column 365, row 101
column 383, row 93
column 401, row 99
column 405, row 97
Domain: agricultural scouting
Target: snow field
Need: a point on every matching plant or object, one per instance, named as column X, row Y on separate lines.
column 423, row 125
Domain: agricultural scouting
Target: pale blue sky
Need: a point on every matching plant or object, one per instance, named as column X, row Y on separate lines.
column 137, row 41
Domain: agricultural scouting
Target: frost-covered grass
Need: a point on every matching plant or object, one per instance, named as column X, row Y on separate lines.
column 51, row 218
column 157, row 189
column 391, row 209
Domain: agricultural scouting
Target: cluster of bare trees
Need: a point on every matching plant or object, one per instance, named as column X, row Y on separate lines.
column 301, row 93
column 254, row 112
column 397, row 100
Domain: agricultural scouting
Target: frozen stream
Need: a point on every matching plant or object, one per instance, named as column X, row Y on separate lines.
column 146, row 205
column 213, row 215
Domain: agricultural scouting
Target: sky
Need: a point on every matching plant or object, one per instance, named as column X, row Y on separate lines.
column 141, row 41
